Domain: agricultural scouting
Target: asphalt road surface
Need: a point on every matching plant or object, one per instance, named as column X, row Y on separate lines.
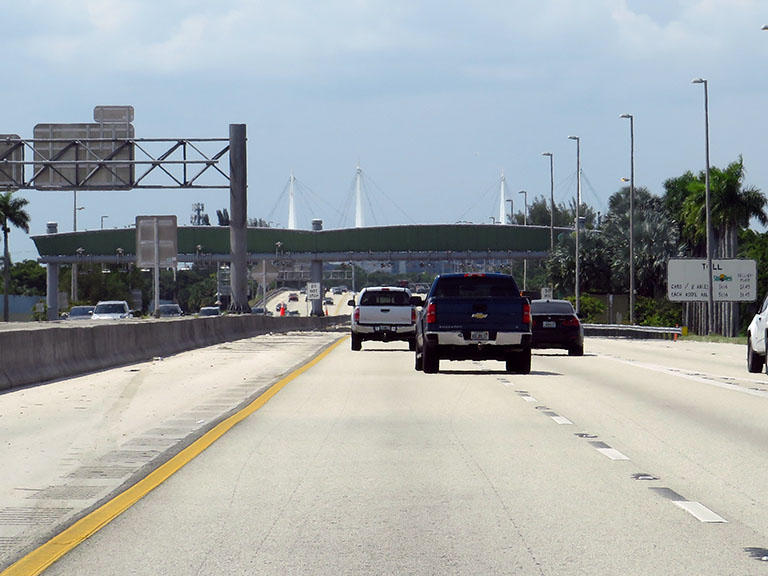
column 642, row 457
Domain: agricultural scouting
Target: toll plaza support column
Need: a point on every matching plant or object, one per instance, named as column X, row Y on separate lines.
column 238, row 209
column 316, row 275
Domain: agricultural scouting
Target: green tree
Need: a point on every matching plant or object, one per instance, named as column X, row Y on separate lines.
column 28, row 278
column 594, row 266
column 12, row 213
column 539, row 211
column 655, row 241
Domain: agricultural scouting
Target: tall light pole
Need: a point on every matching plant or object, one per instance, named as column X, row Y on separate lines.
column 511, row 214
column 525, row 211
column 75, row 210
column 578, row 214
column 631, row 216
column 525, row 223
column 102, row 221
column 710, row 298
column 551, row 199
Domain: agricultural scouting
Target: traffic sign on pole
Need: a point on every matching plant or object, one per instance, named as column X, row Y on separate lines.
column 733, row 280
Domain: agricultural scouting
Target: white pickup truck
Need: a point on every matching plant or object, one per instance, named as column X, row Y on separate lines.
column 384, row 313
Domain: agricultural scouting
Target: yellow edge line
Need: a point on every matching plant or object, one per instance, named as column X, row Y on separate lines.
column 41, row 558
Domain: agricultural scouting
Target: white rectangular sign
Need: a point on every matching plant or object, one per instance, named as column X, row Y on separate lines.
column 733, row 280
column 313, row 290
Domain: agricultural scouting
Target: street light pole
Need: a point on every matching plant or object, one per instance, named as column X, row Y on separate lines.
column 511, row 215
column 710, row 298
column 102, row 221
column 578, row 215
column 525, row 223
column 525, row 211
column 551, row 199
column 631, row 216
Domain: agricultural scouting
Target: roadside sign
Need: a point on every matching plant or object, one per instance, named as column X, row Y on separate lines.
column 733, row 280
column 313, row 290
column 11, row 150
column 156, row 232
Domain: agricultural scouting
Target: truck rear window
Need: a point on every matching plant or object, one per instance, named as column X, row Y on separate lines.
column 476, row 287
column 397, row 298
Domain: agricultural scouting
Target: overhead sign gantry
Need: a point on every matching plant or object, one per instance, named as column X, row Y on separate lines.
column 106, row 155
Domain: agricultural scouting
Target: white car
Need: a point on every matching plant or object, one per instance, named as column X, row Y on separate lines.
column 112, row 310
column 756, row 338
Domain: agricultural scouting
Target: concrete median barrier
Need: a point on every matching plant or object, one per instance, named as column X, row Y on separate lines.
column 61, row 350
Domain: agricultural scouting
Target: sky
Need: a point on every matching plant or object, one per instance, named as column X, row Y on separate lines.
column 433, row 100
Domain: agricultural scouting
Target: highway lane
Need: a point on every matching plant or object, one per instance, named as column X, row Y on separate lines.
column 339, row 307
column 639, row 458
column 68, row 444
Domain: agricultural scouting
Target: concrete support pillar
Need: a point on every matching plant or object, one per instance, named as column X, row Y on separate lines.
column 52, row 281
column 238, row 210
column 316, row 275
column 52, row 291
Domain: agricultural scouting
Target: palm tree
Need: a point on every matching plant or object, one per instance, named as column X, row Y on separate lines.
column 11, row 213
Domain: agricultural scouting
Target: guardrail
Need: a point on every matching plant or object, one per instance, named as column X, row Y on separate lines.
column 633, row 331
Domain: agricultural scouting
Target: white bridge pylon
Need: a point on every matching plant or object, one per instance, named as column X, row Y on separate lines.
column 358, row 198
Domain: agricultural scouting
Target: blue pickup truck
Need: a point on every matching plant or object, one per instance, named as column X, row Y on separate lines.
column 474, row 317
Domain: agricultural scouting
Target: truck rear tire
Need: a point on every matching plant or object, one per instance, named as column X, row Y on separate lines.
column 520, row 362
column 430, row 360
column 419, row 363
column 357, row 342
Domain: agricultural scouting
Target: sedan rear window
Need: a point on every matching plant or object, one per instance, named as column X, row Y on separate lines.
column 551, row 307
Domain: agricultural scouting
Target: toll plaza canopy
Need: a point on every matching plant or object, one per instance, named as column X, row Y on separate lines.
column 408, row 242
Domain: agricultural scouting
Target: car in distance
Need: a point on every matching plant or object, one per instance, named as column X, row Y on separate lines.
column 112, row 310
column 293, row 297
column 384, row 313
column 209, row 311
column 169, row 310
column 80, row 313
column 756, row 339
column 554, row 324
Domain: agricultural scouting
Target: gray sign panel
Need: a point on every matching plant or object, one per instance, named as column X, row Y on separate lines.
column 11, row 150
column 156, row 238
column 106, row 114
column 83, row 156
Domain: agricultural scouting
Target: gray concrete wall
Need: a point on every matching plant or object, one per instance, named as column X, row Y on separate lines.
column 31, row 356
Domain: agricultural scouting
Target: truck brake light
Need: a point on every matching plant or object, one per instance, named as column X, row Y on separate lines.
column 356, row 315
column 526, row 313
column 431, row 313
column 413, row 315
